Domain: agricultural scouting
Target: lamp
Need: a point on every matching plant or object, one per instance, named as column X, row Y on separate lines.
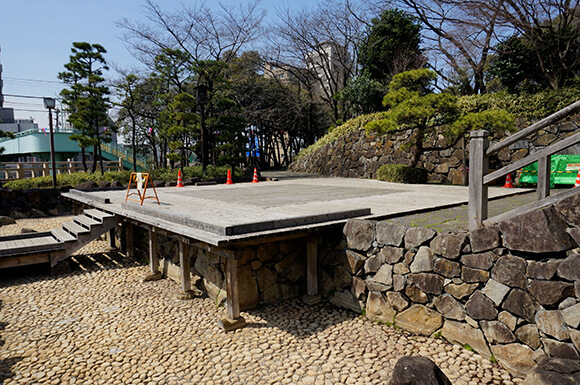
column 50, row 103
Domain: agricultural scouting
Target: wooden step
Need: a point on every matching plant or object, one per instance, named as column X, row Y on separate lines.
column 75, row 228
column 86, row 221
column 97, row 215
column 63, row 236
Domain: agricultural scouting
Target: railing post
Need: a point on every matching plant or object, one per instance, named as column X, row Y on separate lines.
column 543, row 186
column 478, row 167
column 120, row 164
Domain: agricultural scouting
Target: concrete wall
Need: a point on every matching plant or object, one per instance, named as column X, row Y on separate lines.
column 508, row 291
column 359, row 155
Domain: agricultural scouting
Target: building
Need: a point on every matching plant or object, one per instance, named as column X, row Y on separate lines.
column 7, row 121
column 331, row 65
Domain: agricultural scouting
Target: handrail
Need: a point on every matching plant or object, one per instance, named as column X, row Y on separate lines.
column 21, row 170
column 125, row 153
column 555, row 117
column 480, row 151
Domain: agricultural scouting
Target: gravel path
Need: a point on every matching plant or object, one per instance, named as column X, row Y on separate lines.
column 100, row 324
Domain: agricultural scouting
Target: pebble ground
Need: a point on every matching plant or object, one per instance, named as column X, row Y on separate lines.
column 100, row 324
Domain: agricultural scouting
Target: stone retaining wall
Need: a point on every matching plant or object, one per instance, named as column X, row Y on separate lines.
column 508, row 291
column 33, row 203
column 359, row 155
column 267, row 272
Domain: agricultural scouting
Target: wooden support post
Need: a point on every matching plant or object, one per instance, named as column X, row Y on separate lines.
column 130, row 241
column 155, row 274
column 185, row 271
column 543, row 187
column 312, row 297
column 112, row 237
column 478, row 167
column 234, row 320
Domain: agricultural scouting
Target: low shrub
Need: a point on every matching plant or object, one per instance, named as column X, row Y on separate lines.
column 399, row 173
column 166, row 175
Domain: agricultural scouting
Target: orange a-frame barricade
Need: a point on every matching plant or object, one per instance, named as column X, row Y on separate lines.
column 142, row 180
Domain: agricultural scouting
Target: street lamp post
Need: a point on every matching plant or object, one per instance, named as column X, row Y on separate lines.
column 202, row 99
column 50, row 103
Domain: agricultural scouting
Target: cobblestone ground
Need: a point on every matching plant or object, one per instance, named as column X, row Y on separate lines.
column 100, row 324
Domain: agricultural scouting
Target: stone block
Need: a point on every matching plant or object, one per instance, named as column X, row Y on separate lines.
column 449, row 307
column 419, row 319
column 575, row 337
column 397, row 301
column 529, row 335
column 449, row 245
column 544, row 232
column 521, row 304
column 569, row 268
column 461, row 291
column 355, row 261
column 447, row 268
column 374, row 263
column 266, row 278
column 401, row 268
column 390, row 234
column 550, row 293
column 461, row 333
column 427, row 282
column 551, row 371
column 360, row 234
column 508, row 319
column 516, row 358
column 418, row 236
column 495, row 291
column 569, row 209
column 417, row 370
column 384, row 275
column 510, row 271
column 399, row 282
column 359, row 287
column 560, row 349
column 542, row 270
column 474, row 275
column 392, row 254
column 568, row 302
column 416, row 295
column 552, row 323
column 575, row 234
column 484, row 238
column 423, row 261
column 496, row 332
column 248, row 288
column 379, row 309
column 286, row 262
column 479, row 307
column 571, row 316
column 267, row 252
column 483, row 261
column 346, row 300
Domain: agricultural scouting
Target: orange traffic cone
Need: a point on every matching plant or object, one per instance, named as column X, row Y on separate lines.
column 508, row 181
column 255, row 180
column 179, row 181
column 577, row 184
column 229, row 181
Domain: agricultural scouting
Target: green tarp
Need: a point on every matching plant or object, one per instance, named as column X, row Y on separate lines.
column 563, row 170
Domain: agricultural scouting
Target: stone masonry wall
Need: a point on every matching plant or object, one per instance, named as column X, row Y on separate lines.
column 359, row 155
column 510, row 291
column 267, row 273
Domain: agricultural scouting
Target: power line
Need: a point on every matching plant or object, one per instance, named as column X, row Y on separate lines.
column 33, row 80
column 24, row 96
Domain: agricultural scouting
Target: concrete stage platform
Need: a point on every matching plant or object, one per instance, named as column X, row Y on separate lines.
column 246, row 212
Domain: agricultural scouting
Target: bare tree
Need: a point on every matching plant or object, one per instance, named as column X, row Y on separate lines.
column 460, row 34
column 196, row 29
column 319, row 48
column 551, row 29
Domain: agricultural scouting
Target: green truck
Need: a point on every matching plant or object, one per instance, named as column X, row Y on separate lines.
column 563, row 171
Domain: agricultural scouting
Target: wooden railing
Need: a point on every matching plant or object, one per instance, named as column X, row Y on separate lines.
column 22, row 170
column 480, row 150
